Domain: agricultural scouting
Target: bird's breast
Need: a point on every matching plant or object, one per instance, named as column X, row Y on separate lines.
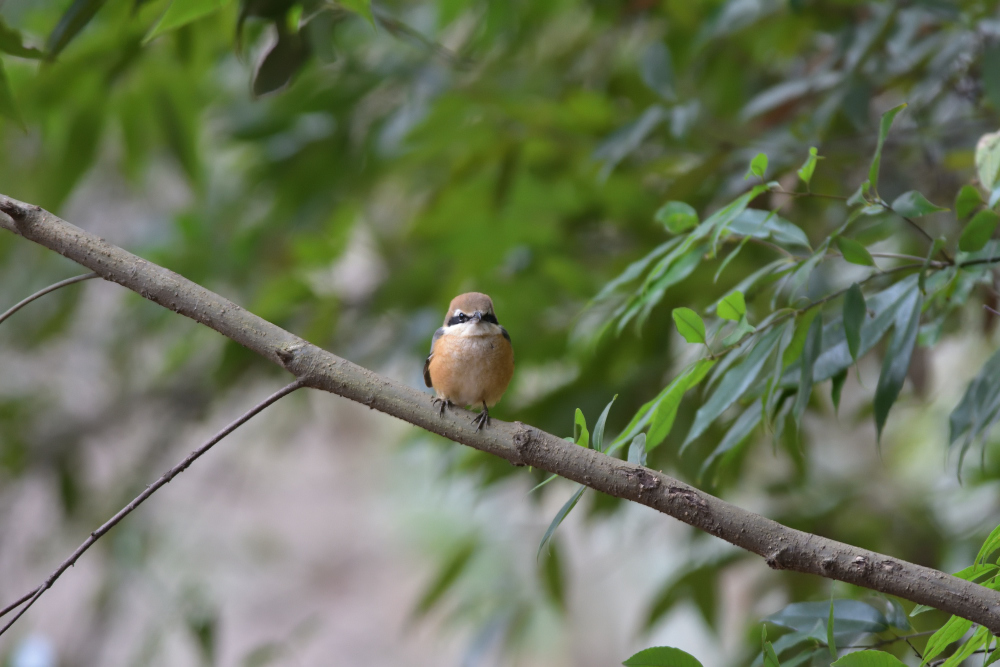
column 470, row 370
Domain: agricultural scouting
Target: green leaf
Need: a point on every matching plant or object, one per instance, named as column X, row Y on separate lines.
column 182, row 12
column 854, row 252
column 948, row 634
column 836, row 388
column 8, row 105
column 883, row 132
column 361, row 7
column 813, row 346
column 742, row 328
column 689, row 325
column 553, row 577
column 967, row 201
column 280, row 65
column 558, row 519
column 897, row 616
column 988, row 159
column 72, row 22
column 598, row 438
column 732, row 307
column 758, row 166
column 912, row 204
column 897, row 358
column 12, row 42
column 450, row 571
column 850, row 617
column 719, row 221
column 670, row 400
column 977, row 411
column 735, row 383
column 806, row 170
column 991, row 544
column 637, row 450
column 831, row 640
column 802, row 323
column 677, row 217
column 978, row 231
column 971, row 645
column 662, row 656
column 869, row 659
column 761, row 224
column 580, row 434
column 855, row 312
column 657, row 71
column 737, row 433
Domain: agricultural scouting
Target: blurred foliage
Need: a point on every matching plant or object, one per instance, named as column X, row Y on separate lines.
column 621, row 177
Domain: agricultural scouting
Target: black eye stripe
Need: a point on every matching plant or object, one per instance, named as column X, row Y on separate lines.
column 462, row 318
column 491, row 318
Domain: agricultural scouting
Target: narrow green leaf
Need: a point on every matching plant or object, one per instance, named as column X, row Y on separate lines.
column 854, row 252
column 12, row 42
column 742, row 328
column 70, row 24
column 967, row 201
column 580, row 434
column 770, row 657
column 598, row 438
column 362, row 7
column 719, row 221
column 837, row 388
column 182, row 12
column 677, row 217
column 737, row 433
column 689, row 325
column 662, row 656
column 970, row 646
column 988, row 159
column 831, row 640
column 666, row 410
column 637, row 450
column 897, row 616
column 732, row 307
column 897, row 358
column 802, row 324
column 758, row 166
column 736, row 381
column 812, row 349
column 855, row 312
column 869, row 659
column 994, row 656
column 806, row 170
column 978, row 231
column 280, row 65
column 948, row 634
column 991, row 544
column 849, row 617
column 8, row 105
column 450, row 571
column 883, row 132
column 912, row 204
column 558, row 519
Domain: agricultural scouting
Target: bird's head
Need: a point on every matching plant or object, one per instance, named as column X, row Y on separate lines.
column 473, row 307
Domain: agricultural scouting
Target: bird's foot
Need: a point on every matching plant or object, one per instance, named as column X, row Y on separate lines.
column 482, row 419
column 442, row 403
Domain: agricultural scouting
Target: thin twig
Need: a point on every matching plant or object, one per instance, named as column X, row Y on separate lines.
column 51, row 288
column 920, row 230
column 33, row 596
column 810, row 194
column 892, row 640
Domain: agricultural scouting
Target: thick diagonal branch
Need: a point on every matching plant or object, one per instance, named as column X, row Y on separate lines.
column 781, row 547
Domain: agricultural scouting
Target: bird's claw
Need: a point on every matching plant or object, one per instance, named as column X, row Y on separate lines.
column 482, row 419
column 442, row 403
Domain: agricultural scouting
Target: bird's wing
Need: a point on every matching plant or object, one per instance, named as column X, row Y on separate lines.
column 505, row 334
column 427, row 363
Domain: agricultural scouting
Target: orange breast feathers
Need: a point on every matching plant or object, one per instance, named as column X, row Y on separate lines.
column 471, row 370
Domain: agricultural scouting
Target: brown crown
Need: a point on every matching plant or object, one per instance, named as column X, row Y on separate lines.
column 469, row 303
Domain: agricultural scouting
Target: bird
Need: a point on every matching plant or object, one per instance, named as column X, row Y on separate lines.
column 472, row 359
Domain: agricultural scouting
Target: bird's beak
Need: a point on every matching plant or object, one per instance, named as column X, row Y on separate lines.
column 477, row 316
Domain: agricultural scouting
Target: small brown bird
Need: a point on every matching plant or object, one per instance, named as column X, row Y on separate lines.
column 471, row 360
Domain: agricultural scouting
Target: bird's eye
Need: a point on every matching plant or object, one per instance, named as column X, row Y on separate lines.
column 462, row 317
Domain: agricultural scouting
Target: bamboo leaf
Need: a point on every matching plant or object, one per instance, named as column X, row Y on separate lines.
column 813, row 346
column 666, row 409
column 558, row 519
column 182, row 12
column 883, row 132
column 897, row 358
column 855, row 312
column 598, row 436
column 73, row 20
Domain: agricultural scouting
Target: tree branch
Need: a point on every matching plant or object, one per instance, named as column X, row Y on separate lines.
column 32, row 596
column 42, row 292
column 781, row 547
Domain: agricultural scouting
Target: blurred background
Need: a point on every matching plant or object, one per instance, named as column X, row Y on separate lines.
column 344, row 171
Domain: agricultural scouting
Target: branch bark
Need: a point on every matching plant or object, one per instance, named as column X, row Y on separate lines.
column 781, row 547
